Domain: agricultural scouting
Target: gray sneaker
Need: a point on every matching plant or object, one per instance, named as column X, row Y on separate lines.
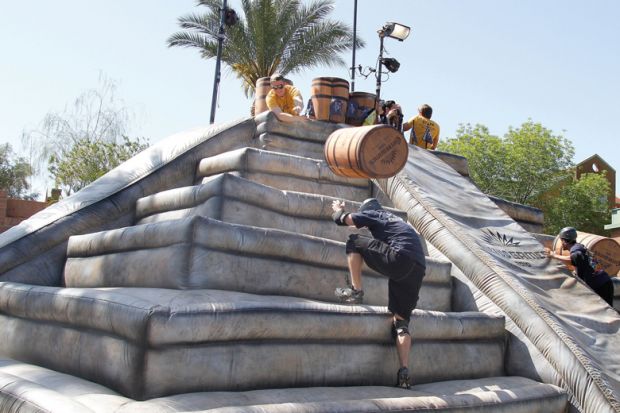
column 349, row 295
column 402, row 378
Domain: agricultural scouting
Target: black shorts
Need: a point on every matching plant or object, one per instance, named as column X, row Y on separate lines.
column 404, row 273
column 606, row 292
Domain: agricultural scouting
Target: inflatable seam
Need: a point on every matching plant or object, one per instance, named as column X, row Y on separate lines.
column 593, row 372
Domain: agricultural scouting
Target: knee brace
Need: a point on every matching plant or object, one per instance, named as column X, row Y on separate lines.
column 400, row 328
column 350, row 247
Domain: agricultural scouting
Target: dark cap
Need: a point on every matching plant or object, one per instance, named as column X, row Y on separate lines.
column 370, row 204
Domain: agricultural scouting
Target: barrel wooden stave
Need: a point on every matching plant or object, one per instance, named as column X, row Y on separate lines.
column 606, row 251
column 360, row 106
column 263, row 86
column 557, row 249
column 376, row 151
column 341, row 156
column 330, row 98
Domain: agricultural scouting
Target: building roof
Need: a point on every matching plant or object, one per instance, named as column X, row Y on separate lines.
column 598, row 159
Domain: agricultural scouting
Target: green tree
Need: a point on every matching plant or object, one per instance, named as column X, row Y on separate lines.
column 283, row 36
column 582, row 204
column 14, row 174
column 88, row 159
column 537, row 160
column 531, row 165
column 485, row 156
column 96, row 116
column 526, row 163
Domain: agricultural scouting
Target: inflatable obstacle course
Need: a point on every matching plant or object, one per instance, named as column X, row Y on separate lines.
column 198, row 277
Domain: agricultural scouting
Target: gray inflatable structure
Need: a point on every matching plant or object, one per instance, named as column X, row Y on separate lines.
column 199, row 277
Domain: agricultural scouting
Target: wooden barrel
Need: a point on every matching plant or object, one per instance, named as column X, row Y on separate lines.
column 330, row 98
column 376, row 151
column 263, row 86
column 605, row 251
column 361, row 104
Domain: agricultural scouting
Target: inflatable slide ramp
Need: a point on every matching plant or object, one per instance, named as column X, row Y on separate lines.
column 560, row 331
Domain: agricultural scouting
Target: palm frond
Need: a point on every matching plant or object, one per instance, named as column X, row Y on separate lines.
column 213, row 5
column 202, row 23
column 271, row 35
column 186, row 39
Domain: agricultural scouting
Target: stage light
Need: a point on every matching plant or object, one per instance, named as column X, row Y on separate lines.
column 230, row 17
column 390, row 64
column 396, row 31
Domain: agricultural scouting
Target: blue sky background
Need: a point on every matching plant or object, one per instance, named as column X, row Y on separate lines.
column 495, row 62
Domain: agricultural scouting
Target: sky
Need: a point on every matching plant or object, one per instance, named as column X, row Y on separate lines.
column 493, row 62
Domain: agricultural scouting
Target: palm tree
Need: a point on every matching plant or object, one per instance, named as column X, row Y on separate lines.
column 283, row 36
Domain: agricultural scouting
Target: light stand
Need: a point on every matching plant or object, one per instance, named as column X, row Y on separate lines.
column 396, row 31
column 378, row 72
column 353, row 49
column 228, row 17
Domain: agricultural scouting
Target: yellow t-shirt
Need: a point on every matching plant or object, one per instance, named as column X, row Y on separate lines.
column 422, row 131
column 286, row 102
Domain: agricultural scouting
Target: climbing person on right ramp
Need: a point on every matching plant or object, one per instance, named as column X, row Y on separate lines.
column 580, row 258
column 395, row 251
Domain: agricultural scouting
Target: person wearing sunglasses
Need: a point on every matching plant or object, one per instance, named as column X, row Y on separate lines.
column 284, row 98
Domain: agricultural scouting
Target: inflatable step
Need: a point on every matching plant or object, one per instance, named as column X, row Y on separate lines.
column 31, row 388
column 308, row 131
column 276, row 142
column 202, row 252
column 301, row 138
column 131, row 339
column 287, row 172
column 233, row 199
column 306, row 139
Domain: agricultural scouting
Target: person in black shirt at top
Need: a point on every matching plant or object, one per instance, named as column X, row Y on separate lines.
column 599, row 281
column 391, row 114
column 395, row 251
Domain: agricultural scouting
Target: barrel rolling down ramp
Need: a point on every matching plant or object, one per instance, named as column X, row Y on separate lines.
column 377, row 151
column 560, row 317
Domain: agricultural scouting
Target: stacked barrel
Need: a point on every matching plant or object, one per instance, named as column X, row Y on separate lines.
column 361, row 107
column 263, row 86
column 330, row 99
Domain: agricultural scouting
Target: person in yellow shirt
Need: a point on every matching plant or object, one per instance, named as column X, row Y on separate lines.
column 283, row 98
column 424, row 131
